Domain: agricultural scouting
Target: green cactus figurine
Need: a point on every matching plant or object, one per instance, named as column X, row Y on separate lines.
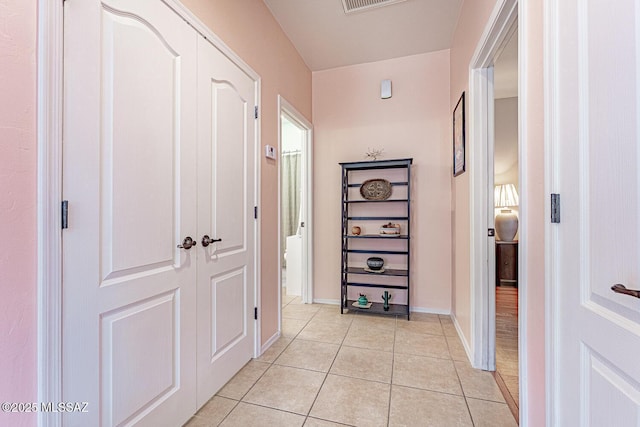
column 386, row 297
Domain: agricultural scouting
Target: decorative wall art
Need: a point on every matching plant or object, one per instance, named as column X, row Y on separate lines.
column 458, row 138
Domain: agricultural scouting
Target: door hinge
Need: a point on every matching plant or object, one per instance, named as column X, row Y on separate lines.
column 255, row 111
column 65, row 214
column 255, row 313
column 555, row 208
column 491, row 232
column 255, row 212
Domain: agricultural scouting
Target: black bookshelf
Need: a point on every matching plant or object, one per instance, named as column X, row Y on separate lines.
column 356, row 275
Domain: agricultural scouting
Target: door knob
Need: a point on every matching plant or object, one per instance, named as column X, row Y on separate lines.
column 621, row 289
column 187, row 243
column 206, row 240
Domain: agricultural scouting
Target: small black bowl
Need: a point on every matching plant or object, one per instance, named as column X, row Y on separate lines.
column 375, row 263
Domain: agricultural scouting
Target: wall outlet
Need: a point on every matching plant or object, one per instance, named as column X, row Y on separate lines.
column 270, row 152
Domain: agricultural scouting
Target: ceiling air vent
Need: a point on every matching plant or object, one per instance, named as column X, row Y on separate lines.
column 351, row 6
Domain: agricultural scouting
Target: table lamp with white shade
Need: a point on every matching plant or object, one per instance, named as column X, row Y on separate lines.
column 506, row 196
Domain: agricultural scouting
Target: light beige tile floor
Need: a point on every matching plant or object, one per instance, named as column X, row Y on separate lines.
column 359, row 370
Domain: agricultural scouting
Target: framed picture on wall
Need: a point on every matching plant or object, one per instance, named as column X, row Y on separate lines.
column 458, row 138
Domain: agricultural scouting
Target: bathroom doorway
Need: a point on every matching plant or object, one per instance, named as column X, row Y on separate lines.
column 295, row 222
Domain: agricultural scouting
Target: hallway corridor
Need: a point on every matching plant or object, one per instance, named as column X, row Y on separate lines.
column 330, row 369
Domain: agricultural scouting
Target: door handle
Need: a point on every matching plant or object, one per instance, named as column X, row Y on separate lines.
column 206, row 240
column 187, row 243
column 621, row 289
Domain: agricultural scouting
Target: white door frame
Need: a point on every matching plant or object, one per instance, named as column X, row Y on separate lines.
column 506, row 17
column 50, row 79
column 286, row 108
column 49, row 279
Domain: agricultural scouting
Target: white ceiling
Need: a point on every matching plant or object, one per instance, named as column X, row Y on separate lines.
column 326, row 37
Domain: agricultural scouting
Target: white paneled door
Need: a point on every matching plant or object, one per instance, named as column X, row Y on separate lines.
column 595, row 132
column 226, row 181
column 140, row 302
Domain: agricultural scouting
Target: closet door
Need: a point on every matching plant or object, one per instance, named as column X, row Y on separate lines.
column 226, row 197
column 130, row 176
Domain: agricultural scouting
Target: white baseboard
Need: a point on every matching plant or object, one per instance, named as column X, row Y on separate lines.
column 465, row 344
column 326, row 301
column 269, row 343
column 429, row 310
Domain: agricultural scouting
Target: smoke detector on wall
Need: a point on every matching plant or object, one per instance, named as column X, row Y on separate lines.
column 351, row 6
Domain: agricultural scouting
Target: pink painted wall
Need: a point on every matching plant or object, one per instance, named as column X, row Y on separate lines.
column 249, row 29
column 17, row 207
column 349, row 117
column 471, row 24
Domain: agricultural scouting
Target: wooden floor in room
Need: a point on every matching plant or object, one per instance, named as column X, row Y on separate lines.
column 507, row 344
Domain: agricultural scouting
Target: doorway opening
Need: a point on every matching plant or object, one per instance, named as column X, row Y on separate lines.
column 504, row 24
column 506, row 203
column 291, row 220
column 294, row 195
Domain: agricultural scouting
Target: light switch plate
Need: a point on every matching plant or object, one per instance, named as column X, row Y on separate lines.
column 269, row 152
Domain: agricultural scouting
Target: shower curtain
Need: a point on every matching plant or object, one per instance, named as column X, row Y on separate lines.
column 291, row 188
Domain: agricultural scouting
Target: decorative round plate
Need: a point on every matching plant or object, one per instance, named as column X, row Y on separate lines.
column 376, row 189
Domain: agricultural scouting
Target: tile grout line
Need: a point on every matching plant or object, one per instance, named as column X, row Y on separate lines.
column 340, row 346
column 326, row 375
column 259, row 377
column 411, row 387
column 464, row 395
column 271, row 364
column 271, row 408
column 232, row 409
column 323, row 380
column 393, row 363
